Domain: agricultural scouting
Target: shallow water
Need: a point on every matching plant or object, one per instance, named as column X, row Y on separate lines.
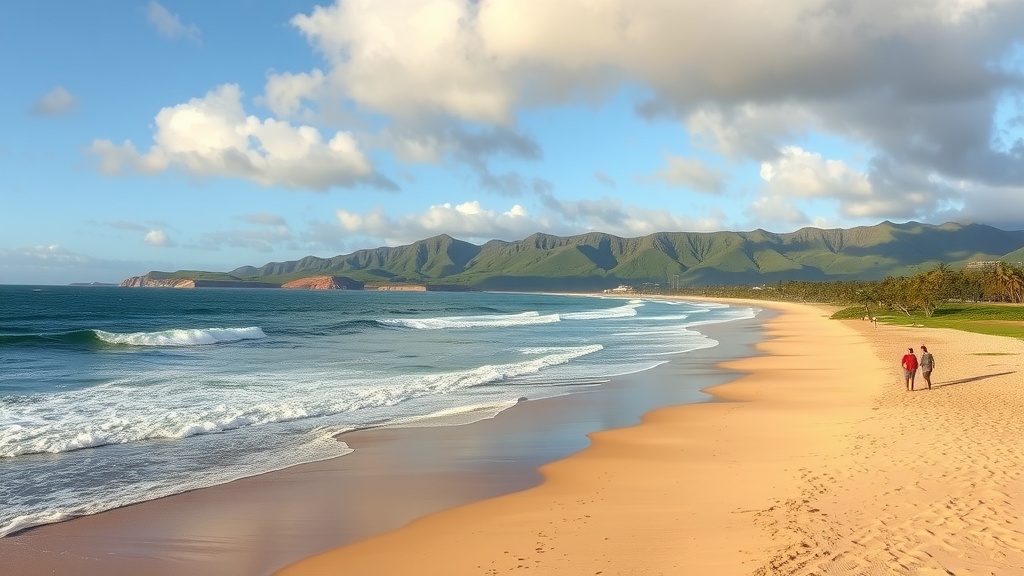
column 110, row 396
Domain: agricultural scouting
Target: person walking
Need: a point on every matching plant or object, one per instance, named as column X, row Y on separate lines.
column 927, row 365
column 909, row 364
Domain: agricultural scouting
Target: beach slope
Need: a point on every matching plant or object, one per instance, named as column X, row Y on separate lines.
column 815, row 461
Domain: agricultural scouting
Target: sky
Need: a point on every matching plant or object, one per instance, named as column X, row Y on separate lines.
column 138, row 136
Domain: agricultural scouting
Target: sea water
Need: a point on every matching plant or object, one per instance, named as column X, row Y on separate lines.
column 110, row 396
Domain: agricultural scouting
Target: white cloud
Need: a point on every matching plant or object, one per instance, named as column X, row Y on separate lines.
column 157, row 238
column 467, row 220
column 405, row 58
column 56, row 102
column 747, row 130
column 170, row 25
column 886, row 190
column 212, row 136
column 689, row 173
column 478, row 61
column 913, row 81
column 284, row 93
column 798, row 173
column 475, row 222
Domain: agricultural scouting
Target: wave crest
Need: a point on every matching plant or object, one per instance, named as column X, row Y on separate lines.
column 182, row 337
column 626, row 311
column 484, row 321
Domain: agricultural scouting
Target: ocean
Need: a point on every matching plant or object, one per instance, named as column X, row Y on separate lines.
column 111, row 396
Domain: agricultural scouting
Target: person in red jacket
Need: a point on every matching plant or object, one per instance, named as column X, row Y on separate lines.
column 909, row 368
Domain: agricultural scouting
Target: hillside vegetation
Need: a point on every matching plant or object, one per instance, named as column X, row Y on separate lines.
column 987, row 299
column 595, row 261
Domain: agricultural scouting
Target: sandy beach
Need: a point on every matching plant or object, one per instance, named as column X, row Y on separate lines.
column 816, row 461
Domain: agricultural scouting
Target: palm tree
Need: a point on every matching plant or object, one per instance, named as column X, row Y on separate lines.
column 1010, row 281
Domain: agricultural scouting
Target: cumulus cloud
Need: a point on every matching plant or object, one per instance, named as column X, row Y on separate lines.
column 285, row 93
column 468, row 220
column 382, row 52
column 801, row 173
column 170, row 26
column 689, row 173
column 56, row 102
column 212, row 136
column 474, row 222
column 157, row 238
column 921, row 85
column 918, row 83
column 885, row 190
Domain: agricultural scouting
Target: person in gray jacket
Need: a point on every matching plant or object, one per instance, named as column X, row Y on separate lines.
column 927, row 365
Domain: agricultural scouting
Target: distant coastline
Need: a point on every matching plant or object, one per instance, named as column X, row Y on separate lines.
column 306, row 283
column 597, row 261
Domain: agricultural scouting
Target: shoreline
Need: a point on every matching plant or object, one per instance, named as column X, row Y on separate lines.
column 261, row 523
column 814, row 462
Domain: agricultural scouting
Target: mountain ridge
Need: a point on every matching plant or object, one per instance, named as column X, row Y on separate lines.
column 597, row 260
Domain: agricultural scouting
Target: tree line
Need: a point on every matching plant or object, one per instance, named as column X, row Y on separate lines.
column 922, row 293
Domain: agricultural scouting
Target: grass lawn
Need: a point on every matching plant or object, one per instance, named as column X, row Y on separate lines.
column 994, row 319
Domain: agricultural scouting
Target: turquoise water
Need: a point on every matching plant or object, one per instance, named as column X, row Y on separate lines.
column 110, row 396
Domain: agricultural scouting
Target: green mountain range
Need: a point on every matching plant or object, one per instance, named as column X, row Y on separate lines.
column 596, row 261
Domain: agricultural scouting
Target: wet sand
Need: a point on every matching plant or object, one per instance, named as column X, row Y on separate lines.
column 259, row 524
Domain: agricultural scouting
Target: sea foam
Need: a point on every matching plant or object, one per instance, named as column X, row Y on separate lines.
column 182, row 336
column 626, row 311
column 65, row 504
column 116, row 414
column 484, row 321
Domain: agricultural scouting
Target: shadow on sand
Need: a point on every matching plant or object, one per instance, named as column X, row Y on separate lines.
column 972, row 379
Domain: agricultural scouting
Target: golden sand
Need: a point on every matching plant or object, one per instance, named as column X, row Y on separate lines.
column 816, row 461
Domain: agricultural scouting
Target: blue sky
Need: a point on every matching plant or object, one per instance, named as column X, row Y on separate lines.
column 194, row 135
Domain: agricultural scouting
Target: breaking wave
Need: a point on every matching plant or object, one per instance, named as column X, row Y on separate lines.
column 182, row 336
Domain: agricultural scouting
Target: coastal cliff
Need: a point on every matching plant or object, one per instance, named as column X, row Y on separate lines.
column 147, row 282
column 323, row 283
column 398, row 287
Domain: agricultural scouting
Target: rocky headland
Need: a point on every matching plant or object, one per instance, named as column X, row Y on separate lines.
column 147, row 282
